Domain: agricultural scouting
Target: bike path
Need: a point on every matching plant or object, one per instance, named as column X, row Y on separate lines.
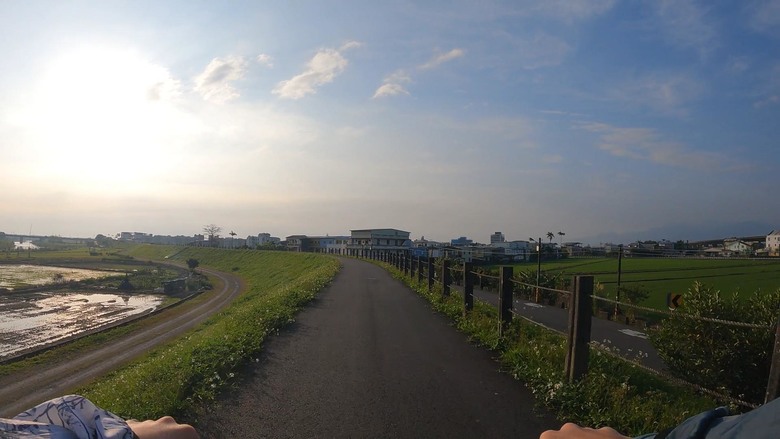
column 369, row 358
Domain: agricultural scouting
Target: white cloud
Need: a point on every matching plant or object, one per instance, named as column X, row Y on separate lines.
column 392, row 85
column 765, row 16
column 647, row 144
column 667, row 93
column 265, row 60
column 215, row 83
column 321, row 69
column 684, row 23
column 443, row 58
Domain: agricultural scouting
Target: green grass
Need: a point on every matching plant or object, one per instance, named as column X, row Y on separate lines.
column 177, row 378
column 668, row 275
column 614, row 393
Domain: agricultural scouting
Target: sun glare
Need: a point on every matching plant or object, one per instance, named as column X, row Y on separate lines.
column 98, row 109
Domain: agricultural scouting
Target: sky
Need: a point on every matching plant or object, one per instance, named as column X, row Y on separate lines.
column 605, row 120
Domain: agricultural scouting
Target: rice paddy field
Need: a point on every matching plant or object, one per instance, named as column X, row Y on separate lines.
column 661, row 276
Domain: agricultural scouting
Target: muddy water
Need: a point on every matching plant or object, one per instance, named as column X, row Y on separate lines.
column 17, row 276
column 30, row 320
column 37, row 319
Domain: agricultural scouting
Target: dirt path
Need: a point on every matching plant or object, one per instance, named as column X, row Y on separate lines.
column 25, row 389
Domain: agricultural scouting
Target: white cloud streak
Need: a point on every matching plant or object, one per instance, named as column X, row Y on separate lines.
column 215, row 83
column 684, row 23
column 393, row 84
column 443, row 58
column 666, row 93
column 647, row 144
column 322, row 69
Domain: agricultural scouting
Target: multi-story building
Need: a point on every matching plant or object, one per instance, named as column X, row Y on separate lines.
column 497, row 237
column 773, row 243
column 365, row 241
column 461, row 242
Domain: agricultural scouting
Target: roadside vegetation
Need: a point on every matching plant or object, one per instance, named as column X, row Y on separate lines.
column 177, row 378
column 614, row 393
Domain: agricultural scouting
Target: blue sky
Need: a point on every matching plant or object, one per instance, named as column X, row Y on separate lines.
column 606, row 120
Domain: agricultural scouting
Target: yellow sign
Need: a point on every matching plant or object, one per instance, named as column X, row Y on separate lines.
column 673, row 300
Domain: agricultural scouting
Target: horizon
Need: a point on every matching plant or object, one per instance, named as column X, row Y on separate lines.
column 606, row 120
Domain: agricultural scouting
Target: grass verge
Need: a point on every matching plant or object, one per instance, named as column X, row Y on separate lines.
column 174, row 379
column 615, row 393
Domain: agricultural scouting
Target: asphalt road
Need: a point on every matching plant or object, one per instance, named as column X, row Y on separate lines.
column 28, row 388
column 624, row 340
column 369, row 358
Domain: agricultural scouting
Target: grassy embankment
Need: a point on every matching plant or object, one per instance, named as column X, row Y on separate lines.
column 614, row 393
column 661, row 276
column 175, row 378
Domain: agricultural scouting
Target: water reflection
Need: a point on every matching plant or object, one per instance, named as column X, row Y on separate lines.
column 38, row 319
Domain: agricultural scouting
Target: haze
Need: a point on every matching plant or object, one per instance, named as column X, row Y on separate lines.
column 442, row 118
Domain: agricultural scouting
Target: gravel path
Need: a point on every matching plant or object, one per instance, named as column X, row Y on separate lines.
column 369, row 358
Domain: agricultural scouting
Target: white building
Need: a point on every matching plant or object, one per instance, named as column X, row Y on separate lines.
column 364, row 241
column 773, row 243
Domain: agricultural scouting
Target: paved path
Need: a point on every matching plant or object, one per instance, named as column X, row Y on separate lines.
column 370, row 359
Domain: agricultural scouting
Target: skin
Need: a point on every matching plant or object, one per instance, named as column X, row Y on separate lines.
column 574, row 431
column 163, row 428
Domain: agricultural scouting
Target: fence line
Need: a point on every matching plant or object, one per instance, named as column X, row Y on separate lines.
column 580, row 316
column 690, row 316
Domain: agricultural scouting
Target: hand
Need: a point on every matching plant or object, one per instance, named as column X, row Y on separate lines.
column 163, row 428
column 574, row 431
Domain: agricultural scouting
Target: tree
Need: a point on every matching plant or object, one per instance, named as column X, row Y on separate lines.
column 550, row 236
column 232, row 236
column 561, row 235
column 192, row 263
column 212, row 230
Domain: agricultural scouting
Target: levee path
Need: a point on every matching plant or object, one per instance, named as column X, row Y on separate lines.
column 369, row 358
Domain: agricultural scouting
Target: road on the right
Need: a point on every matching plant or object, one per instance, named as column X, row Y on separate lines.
column 627, row 341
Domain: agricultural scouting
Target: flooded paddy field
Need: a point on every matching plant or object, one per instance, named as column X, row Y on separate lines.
column 17, row 276
column 33, row 320
column 36, row 311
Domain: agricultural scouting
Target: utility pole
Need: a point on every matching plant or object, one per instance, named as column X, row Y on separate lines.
column 620, row 273
column 538, row 266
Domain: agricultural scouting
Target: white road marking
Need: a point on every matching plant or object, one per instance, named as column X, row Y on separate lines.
column 533, row 305
column 633, row 333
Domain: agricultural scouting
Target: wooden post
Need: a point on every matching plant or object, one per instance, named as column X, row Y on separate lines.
column 412, row 266
column 505, row 302
column 406, row 263
column 419, row 269
column 446, row 279
column 430, row 274
column 579, row 328
column 773, row 386
column 468, row 286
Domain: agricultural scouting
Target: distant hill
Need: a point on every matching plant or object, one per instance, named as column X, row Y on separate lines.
column 686, row 232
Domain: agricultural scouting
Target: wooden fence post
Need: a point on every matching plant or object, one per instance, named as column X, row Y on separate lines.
column 406, row 264
column 773, row 386
column 413, row 267
column 505, row 301
column 430, row 274
column 419, row 269
column 580, row 313
column 446, row 279
column 468, row 286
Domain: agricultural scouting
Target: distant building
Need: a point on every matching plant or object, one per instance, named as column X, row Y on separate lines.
column 496, row 237
column 773, row 243
column 365, row 241
column 461, row 242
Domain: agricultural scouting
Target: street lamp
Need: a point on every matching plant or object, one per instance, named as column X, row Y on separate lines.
column 538, row 264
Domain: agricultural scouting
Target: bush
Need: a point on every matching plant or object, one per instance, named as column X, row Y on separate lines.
column 728, row 358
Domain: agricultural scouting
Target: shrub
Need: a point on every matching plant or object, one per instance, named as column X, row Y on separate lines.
column 732, row 359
